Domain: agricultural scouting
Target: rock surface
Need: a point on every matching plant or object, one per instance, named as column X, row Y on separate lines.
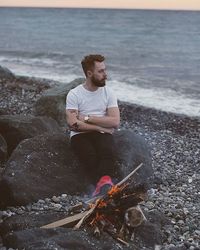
column 6, row 73
column 3, row 150
column 44, row 166
column 53, row 101
column 175, row 149
column 15, row 128
column 14, row 234
column 27, row 221
column 59, row 238
column 40, row 167
column 132, row 150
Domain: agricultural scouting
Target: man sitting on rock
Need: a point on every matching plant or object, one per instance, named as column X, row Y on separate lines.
column 92, row 115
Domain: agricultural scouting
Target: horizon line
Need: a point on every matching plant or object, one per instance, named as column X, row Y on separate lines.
column 96, row 8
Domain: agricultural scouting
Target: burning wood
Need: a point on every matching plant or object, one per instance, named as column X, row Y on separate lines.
column 117, row 212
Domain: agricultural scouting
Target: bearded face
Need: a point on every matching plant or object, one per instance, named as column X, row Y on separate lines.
column 98, row 74
column 98, row 82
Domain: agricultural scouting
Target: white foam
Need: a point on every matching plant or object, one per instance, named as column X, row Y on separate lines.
column 28, row 61
column 42, row 72
column 159, row 98
column 162, row 99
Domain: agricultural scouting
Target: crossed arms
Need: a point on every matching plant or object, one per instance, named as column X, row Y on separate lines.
column 105, row 124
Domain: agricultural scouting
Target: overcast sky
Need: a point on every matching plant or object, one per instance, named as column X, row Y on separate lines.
column 144, row 4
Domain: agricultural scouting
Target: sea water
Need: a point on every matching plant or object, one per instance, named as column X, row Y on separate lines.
column 152, row 56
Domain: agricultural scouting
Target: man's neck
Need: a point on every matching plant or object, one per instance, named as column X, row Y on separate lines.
column 89, row 86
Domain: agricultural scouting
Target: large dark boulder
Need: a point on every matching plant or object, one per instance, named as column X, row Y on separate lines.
column 15, row 128
column 29, row 220
column 3, row 150
column 40, row 167
column 6, row 73
column 58, row 238
column 36, row 84
column 132, row 150
column 44, row 166
column 53, row 101
column 146, row 235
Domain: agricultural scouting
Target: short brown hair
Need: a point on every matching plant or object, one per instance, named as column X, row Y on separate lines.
column 88, row 62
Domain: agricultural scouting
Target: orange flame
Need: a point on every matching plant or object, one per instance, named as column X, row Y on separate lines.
column 114, row 190
column 102, row 204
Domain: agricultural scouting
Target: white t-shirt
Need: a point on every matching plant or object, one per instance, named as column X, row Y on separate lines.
column 90, row 102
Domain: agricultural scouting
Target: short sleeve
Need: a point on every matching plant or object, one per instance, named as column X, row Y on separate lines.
column 71, row 101
column 112, row 99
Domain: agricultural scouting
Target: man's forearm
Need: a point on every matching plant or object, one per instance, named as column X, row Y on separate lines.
column 77, row 123
column 82, row 127
column 104, row 121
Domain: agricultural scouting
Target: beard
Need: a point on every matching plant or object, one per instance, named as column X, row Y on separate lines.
column 98, row 83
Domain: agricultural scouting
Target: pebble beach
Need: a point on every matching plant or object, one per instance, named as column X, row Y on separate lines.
column 175, row 146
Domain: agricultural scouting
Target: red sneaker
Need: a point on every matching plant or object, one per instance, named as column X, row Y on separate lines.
column 103, row 185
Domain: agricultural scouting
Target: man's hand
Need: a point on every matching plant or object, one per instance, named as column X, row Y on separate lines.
column 106, row 130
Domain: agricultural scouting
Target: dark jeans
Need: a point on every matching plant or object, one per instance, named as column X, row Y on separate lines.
column 96, row 152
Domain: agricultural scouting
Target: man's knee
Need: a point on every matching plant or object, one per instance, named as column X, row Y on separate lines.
column 107, row 145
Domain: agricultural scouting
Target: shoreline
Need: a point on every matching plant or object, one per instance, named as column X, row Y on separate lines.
column 38, row 85
column 167, row 108
column 175, row 146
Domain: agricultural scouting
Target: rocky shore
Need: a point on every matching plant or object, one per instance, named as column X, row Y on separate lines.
column 175, row 149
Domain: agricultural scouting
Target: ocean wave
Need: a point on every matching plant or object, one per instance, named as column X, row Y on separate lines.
column 136, row 89
column 36, row 59
column 28, row 61
column 32, row 54
column 162, row 99
column 51, row 73
column 17, row 61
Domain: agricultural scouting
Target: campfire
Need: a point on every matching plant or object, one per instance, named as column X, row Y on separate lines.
column 117, row 213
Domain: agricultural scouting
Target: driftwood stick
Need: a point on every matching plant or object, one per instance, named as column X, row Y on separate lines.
column 81, row 217
column 129, row 175
column 75, row 207
column 66, row 221
column 139, row 208
column 122, row 241
column 89, row 212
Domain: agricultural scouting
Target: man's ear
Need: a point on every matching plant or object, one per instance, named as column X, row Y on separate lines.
column 89, row 73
